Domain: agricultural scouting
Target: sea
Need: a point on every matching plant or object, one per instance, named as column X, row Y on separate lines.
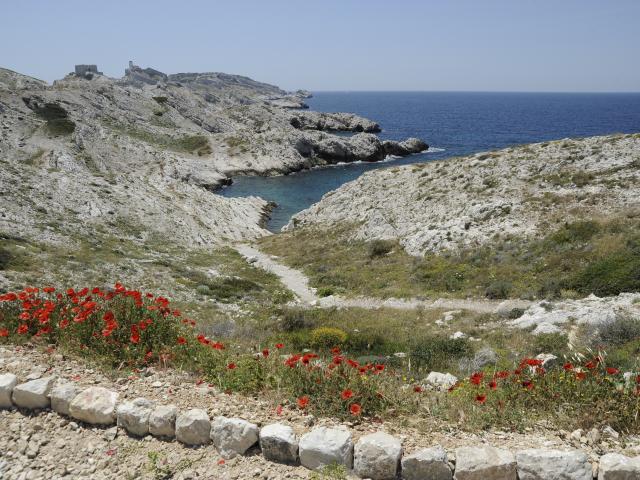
column 453, row 124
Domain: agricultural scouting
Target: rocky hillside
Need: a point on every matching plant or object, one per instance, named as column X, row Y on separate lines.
column 138, row 157
column 466, row 202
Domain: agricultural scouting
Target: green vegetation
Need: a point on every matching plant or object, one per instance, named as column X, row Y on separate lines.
column 198, row 144
column 57, row 119
column 574, row 260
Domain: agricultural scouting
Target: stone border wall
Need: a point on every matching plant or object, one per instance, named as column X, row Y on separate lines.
column 377, row 456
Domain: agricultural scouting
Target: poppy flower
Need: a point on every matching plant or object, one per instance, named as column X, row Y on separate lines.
column 135, row 334
column 568, row 367
column 221, row 461
column 379, row 368
column 591, row 364
column 279, row 345
column 346, row 394
column 476, row 378
column 528, row 384
column 265, row 352
column 335, row 350
column 182, row 340
column 418, row 389
column 303, row 401
column 231, row 366
column 481, row 399
column 4, row 332
column 581, row 375
column 612, row 371
column 23, row 329
column 493, row 385
column 355, row 409
column 48, row 289
column 279, row 410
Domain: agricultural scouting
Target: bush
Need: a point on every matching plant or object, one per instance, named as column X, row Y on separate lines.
column 327, row 337
column 498, row 290
column 516, row 313
column 555, row 343
column 293, row 319
column 326, row 291
column 619, row 331
column 576, row 232
column 613, row 274
column 439, row 351
column 378, row 248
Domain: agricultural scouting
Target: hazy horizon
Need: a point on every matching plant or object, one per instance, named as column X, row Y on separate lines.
column 574, row 46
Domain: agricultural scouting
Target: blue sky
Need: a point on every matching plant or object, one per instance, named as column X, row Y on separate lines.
column 478, row 45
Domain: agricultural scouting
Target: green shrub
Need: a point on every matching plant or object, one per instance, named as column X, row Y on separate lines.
column 615, row 273
column 327, row 337
column 439, row 351
column 498, row 290
column 293, row 319
column 326, row 291
column 379, row 248
column 515, row 313
column 576, row 232
column 161, row 100
column 555, row 343
column 622, row 329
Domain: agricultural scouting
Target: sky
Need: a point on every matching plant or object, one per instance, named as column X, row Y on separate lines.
column 450, row 45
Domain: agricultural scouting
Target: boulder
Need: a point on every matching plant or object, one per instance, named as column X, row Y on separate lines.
column 549, row 360
column 7, row 383
column 279, row 443
column 614, row 466
column 414, row 145
column 325, row 446
column 485, row 463
column 61, row 396
column 546, row 327
column 33, row 394
column 95, row 405
column 193, row 427
column 233, row 436
column 162, row 421
column 428, row 463
column 133, row 416
column 540, row 464
column 377, row 456
column 441, row 381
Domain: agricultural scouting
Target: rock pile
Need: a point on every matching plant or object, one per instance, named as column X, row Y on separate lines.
column 378, row 456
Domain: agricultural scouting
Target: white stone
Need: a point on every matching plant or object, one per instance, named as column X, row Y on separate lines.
column 61, row 396
column 484, row 463
column 614, row 466
column 95, row 405
column 33, row 394
column 193, row 427
column 233, row 436
column 279, row 443
column 458, row 335
column 162, row 421
column 133, row 416
column 541, row 464
column 7, row 383
column 442, row 381
column 377, row 456
column 430, row 463
column 546, row 327
column 325, row 446
column 548, row 360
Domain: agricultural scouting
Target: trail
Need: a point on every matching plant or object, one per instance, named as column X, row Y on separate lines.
column 298, row 283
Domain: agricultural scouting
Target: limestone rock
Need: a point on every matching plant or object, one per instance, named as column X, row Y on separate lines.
column 95, row 405
column 548, row 360
column 7, row 382
column 193, row 427
column 377, row 456
column 162, row 421
column 441, row 381
column 614, row 466
column 233, row 436
column 33, row 394
column 133, row 416
column 279, row 443
column 540, row 464
column 61, row 396
column 325, row 446
column 484, row 463
column 428, row 463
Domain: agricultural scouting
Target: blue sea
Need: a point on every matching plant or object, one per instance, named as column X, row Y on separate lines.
column 453, row 124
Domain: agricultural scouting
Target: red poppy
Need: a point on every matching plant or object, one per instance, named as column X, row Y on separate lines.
column 279, row 345
column 217, row 346
column 612, row 371
column 4, row 332
column 581, row 375
column 303, row 401
column 182, row 340
column 335, row 350
column 135, row 335
column 476, row 378
column 231, row 366
column 591, row 365
column 418, row 389
column 279, row 410
column 48, row 289
column 532, row 362
column 493, row 385
column 481, row 399
column 346, row 394
column 568, row 367
column 528, row 384
column 265, row 352
column 355, row 409
column 502, row 374
column 23, row 329
column 379, row 368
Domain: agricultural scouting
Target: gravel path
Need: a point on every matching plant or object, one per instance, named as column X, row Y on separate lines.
column 298, row 283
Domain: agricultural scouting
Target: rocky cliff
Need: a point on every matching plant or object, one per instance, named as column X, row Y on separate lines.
column 139, row 156
column 469, row 201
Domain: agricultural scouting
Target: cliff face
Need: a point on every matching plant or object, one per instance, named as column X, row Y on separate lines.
column 140, row 156
column 469, row 201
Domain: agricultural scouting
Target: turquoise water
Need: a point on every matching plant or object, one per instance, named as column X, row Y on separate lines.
column 452, row 124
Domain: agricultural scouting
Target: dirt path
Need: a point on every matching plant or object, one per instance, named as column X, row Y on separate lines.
column 298, row 283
